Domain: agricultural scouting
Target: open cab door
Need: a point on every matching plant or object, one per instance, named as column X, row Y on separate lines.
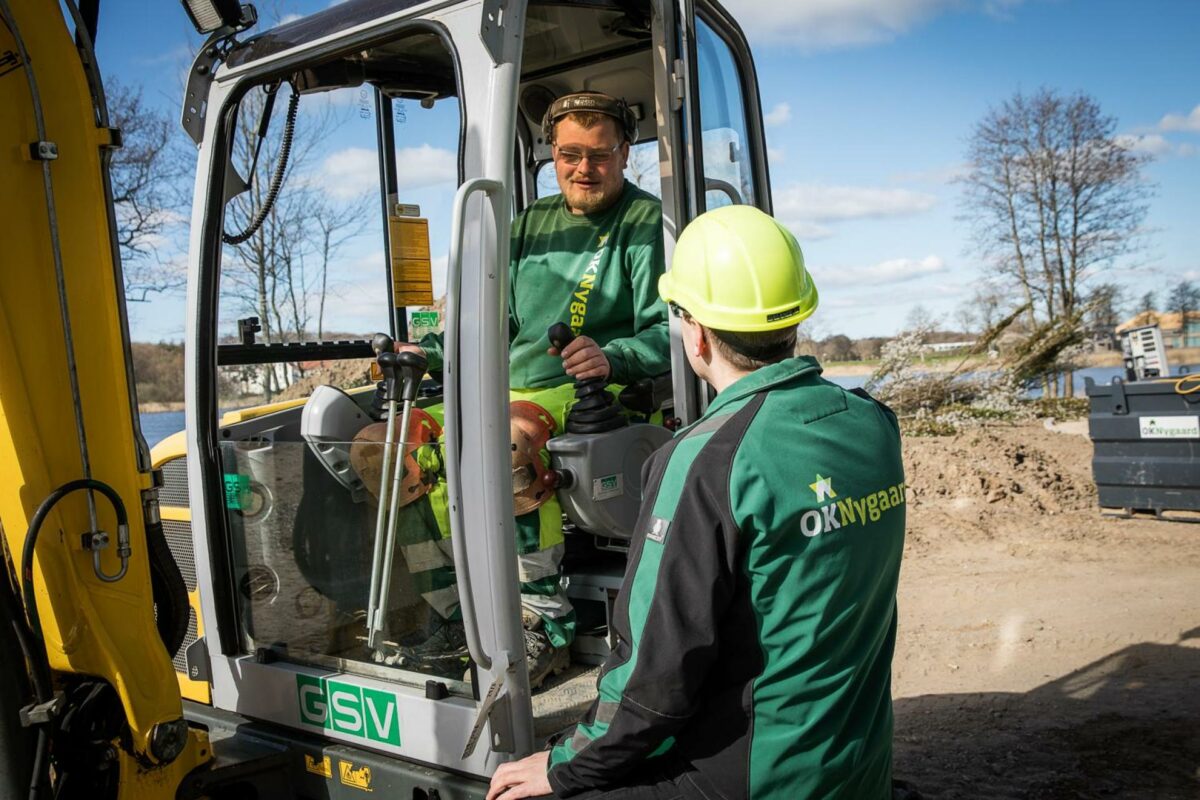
column 299, row 609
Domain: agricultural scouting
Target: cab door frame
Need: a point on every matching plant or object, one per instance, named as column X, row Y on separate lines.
column 678, row 80
column 487, row 45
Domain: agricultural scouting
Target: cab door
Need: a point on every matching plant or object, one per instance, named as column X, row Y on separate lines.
column 728, row 155
column 279, row 540
column 711, row 94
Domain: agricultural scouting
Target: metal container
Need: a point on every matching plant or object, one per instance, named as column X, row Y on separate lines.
column 1147, row 444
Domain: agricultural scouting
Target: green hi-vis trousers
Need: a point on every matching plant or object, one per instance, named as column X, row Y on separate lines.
column 424, row 537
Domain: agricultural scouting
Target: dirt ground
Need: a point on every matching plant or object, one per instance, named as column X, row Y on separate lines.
column 1044, row 651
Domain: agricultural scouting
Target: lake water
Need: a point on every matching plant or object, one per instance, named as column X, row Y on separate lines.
column 160, row 425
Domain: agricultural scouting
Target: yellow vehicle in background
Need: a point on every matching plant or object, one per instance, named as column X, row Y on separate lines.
column 193, row 623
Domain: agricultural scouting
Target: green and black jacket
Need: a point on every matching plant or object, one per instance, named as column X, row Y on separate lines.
column 756, row 624
column 598, row 273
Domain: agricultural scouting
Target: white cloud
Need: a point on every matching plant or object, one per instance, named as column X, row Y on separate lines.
column 814, row 202
column 286, row 18
column 776, row 155
column 1154, row 144
column 350, row 172
column 1150, row 143
column 826, row 24
column 941, row 175
column 895, row 270
column 808, row 231
column 179, row 54
column 1178, row 122
column 781, row 113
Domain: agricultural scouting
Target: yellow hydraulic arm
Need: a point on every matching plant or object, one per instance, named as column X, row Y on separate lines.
column 70, row 451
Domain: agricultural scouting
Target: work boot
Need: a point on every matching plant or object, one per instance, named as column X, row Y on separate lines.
column 541, row 657
column 441, row 653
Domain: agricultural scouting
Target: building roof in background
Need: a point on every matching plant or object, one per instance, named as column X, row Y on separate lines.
column 1166, row 322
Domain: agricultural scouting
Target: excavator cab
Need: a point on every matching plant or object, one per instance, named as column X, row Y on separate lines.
column 428, row 140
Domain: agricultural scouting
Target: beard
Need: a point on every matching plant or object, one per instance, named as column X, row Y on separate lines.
column 593, row 200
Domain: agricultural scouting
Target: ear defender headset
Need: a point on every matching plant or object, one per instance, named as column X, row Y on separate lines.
column 595, row 102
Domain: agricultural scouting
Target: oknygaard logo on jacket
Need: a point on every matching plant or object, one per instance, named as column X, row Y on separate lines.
column 840, row 512
column 579, row 300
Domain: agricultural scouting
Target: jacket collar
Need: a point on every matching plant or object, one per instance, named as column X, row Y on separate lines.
column 764, row 378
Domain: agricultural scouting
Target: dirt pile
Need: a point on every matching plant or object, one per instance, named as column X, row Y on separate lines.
column 980, row 482
column 343, row 374
column 1044, row 650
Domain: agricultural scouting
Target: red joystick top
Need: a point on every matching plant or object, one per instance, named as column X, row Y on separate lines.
column 550, row 479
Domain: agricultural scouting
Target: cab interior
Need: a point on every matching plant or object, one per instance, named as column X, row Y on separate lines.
column 299, row 536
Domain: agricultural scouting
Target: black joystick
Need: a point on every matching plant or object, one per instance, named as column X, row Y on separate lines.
column 380, row 343
column 594, row 410
column 402, row 374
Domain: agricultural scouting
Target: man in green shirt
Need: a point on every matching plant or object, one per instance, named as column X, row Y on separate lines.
column 756, row 624
column 589, row 257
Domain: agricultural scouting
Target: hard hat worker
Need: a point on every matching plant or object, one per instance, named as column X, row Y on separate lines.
column 757, row 620
column 589, row 257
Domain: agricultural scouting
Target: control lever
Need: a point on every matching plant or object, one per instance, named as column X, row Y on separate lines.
column 594, row 410
column 402, row 373
column 380, row 343
column 560, row 336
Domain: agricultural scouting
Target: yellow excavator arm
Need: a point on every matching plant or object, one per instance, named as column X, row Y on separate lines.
column 87, row 683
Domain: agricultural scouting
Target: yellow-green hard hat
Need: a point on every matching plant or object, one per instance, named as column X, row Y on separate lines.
column 737, row 269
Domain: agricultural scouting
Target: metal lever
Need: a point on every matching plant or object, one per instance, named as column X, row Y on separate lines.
column 402, row 377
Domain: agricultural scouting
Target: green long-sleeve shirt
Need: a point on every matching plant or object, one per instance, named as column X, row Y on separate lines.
column 597, row 273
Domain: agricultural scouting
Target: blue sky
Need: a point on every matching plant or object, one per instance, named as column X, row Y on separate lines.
column 869, row 106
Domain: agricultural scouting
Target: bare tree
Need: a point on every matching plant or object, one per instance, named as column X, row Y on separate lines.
column 286, row 227
column 1054, row 197
column 983, row 309
column 1146, row 304
column 643, row 167
column 1184, row 299
column 838, row 347
column 1104, row 304
column 921, row 319
column 149, row 175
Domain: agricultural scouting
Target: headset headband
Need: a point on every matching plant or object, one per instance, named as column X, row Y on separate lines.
column 595, row 102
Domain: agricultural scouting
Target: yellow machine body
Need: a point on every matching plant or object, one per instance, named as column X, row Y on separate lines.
column 90, row 627
column 170, row 456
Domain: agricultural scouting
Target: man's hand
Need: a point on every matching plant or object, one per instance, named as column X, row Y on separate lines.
column 409, row 347
column 583, row 359
column 524, row 778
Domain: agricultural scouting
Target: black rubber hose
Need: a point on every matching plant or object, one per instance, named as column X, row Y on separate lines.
column 37, row 656
column 35, row 526
column 285, row 147
column 168, row 589
column 16, row 742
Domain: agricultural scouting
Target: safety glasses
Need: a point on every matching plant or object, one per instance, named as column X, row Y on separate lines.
column 596, row 158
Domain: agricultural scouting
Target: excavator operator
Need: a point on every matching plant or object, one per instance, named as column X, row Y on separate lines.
column 589, row 257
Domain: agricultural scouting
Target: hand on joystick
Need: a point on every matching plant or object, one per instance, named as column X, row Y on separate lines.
column 582, row 357
column 594, row 410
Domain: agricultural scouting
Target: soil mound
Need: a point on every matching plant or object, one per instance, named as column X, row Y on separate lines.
column 980, row 482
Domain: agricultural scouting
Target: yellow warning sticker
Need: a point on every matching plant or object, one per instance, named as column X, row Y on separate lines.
column 356, row 777
column 412, row 270
column 317, row 766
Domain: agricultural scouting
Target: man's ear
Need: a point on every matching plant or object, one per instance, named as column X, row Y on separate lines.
column 702, row 346
column 624, row 154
